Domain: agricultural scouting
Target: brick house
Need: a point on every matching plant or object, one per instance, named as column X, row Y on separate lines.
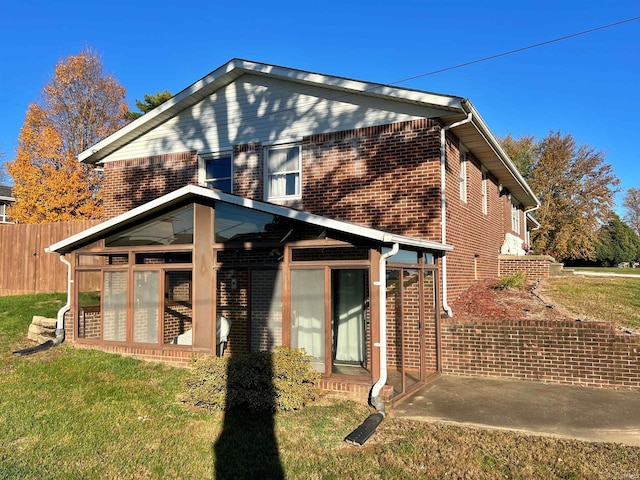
column 266, row 206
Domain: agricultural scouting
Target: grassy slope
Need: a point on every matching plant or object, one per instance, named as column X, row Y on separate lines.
column 68, row 413
column 612, row 299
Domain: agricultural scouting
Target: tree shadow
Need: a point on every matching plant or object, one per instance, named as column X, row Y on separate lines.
column 247, row 446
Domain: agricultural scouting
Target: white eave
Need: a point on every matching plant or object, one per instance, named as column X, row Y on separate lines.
column 234, row 69
column 475, row 135
column 190, row 191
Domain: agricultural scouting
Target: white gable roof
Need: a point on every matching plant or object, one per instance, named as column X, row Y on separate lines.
column 193, row 192
column 244, row 102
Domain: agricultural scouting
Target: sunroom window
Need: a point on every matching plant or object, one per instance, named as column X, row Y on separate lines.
column 173, row 228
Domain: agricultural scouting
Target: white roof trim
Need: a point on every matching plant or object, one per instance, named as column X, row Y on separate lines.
column 235, row 68
column 183, row 193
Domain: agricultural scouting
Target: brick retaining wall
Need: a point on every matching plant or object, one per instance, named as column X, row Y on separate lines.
column 534, row 266
column 591, row 354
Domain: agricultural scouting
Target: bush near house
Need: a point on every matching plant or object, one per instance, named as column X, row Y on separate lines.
column 259, row 381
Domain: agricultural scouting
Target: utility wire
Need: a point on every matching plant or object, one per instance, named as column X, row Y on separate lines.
column 517, row 50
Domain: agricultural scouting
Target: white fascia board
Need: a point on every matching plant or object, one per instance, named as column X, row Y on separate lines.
column 195, row 191
column 206, row 86
column 491, row 140
column 7, row 199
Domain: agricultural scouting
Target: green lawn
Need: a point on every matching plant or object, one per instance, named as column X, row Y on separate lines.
column 614, row 299
column 632, row 271
column 77, row 414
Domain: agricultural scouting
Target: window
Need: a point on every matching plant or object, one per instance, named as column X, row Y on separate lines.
column 484, row 190
column 173, row 228
column 283, row 167
column 218, row 172
column 463, row 176
column 3, row 213
column 515, row 216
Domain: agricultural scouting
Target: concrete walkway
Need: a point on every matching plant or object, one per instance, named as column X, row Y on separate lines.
column 596, row 415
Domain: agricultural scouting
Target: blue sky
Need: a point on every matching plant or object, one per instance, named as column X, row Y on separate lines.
column 586, row 85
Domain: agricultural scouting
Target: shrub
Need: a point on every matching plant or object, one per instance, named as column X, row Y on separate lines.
column 515, row 282
column 257, row 381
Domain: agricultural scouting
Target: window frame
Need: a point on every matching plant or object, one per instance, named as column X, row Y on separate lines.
column 462, row 177
column 204, row 158
column 485, row 191
column 268, row 174
column 515, row 216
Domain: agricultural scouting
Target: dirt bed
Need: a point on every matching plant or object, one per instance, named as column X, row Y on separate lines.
column 485, row 302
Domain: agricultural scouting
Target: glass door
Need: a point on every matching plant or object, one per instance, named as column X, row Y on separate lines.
column 349, row 321
column 405, row 329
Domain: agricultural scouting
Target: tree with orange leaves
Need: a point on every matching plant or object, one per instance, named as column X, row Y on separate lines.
column 78, row 107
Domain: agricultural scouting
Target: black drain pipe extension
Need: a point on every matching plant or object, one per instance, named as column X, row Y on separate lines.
column 361, row 434
column 59, row 338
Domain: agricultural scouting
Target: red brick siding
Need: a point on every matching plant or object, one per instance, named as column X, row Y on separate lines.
column 130, row 183
column 233, row 303
column 476, row 237
column 248, row 175
column 565, row 352
column 385, row 177
column 533, row 266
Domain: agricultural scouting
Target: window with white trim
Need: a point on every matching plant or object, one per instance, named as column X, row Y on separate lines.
column 515, row 216
column 3, row 213
column 463, row 176
column 217, row 171
column 485, row 190
column 283, row 172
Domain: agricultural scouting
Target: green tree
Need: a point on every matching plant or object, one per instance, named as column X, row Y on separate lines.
column 617, row 243
column 149, row 103
column 632, row 209
column 78, row 107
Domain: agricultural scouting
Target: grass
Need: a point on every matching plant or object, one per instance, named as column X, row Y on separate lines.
column 612, row 299
column 632, row 271
column 78, row 414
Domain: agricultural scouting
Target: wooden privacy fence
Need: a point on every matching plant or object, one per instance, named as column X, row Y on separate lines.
column 24, row 265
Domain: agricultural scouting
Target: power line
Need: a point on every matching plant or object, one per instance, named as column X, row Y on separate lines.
column 517, row 50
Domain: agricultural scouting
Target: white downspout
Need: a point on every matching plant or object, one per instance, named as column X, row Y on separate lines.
column 527, row 232
column 66, row 307
column 443, row 206
column 376, row 401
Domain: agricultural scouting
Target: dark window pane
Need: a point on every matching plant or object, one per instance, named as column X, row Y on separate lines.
column 174, row 228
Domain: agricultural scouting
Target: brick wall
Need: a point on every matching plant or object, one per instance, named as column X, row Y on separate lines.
column 565, row 352
column 534, row 266
column 130, row 183
column 385, row 177
column 476, row 237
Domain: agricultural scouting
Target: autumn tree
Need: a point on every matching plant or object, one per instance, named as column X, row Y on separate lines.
column 631, row 205
column 576, row 190
column 77, row 108
column 523, row 151
column 149, row 103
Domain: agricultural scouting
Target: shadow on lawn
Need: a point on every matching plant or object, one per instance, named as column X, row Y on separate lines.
column 247, row 446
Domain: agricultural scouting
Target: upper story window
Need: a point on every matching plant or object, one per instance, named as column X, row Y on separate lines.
column 283, row 172
column 218, row 171
column 515, row 216
column 463, row 176
column 4, row 218
column 485, row 190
